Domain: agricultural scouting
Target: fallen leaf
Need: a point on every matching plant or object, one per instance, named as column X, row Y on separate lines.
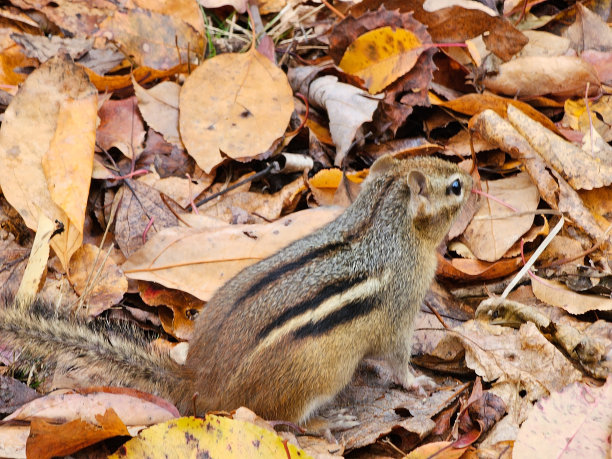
column 557, row 294
column 200, row 261
column 141, row 214
column 214, row 436
column 48, row 440
column 152, row 39
column 134, row 408
column 381, row 56
column 121, row 127
column 494, row 229
column 233, row 105
column 159, row 107
column 581, row 169
column 98, row 278
column 572, row 422
column 49, row 147
column 348, row 109
column 530, row 76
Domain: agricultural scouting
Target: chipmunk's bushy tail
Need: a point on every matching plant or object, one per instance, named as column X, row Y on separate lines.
column 118, row 356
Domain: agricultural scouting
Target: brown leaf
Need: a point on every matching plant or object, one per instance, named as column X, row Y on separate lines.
column 179, row 311
column 561, row 76
column 589, row 31
column 581, row 169
column 47, row 440
column 79, row 18
column 557, row 294
column 152, row 39
column 488, row 236
column 141, row 212
column 121, row 127
column 553, row 188
column 464, row 269
column 159, row 107
column 100, row 279
column 456, row 24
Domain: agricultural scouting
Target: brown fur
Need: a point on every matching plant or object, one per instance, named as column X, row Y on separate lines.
column 286, row 334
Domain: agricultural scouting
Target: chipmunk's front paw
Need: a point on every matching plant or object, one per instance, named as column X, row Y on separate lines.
column 418, row 384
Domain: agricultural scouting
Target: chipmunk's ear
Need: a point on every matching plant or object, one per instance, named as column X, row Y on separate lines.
column 382, row 165
column 417, row 181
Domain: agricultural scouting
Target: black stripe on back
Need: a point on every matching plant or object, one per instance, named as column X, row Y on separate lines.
column 312, row 303
column 325, row 251
column 348, row 312
column 285, row 268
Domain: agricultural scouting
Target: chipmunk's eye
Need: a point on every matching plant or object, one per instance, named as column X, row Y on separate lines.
column 454, row 188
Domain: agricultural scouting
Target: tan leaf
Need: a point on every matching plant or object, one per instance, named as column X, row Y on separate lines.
column 159, row 107
column 513, row 357
column 553, row 188
column 581, row 169
column 133, row 407
column 97, row 277
column 488, row 236
column 233, row 105
column 238, row 5
column 347, row 107
column 557, row 294
column 574, row 422
column 531, row 76
column 155, row 40
column 200, row 261
column 62, row 129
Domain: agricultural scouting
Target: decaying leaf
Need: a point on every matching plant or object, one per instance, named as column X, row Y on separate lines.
column 214, row 436
column 381, row 56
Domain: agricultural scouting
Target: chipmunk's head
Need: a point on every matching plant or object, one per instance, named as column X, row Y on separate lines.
column 437, row 191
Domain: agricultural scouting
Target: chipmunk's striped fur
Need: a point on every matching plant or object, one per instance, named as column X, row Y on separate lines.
column 286, row 334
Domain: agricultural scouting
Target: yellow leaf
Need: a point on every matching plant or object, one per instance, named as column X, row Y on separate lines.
column 213, row 436
column 381, row 56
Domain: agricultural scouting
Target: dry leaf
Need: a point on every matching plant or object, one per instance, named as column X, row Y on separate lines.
column 233, row 105
column 60, row 133
column 152, row 39
column 200, row 261
column 48, row 440
column 141, row 213
column 574, row 422
column 581, row 169
column 562, row 76
column 557, row 294
column 381, row 56
column 347, row 107
column 159, row 107
column 488, row 236
column 96, row 277
column 121, row 127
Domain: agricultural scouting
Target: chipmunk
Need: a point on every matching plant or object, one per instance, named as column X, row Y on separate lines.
column 286, row 334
